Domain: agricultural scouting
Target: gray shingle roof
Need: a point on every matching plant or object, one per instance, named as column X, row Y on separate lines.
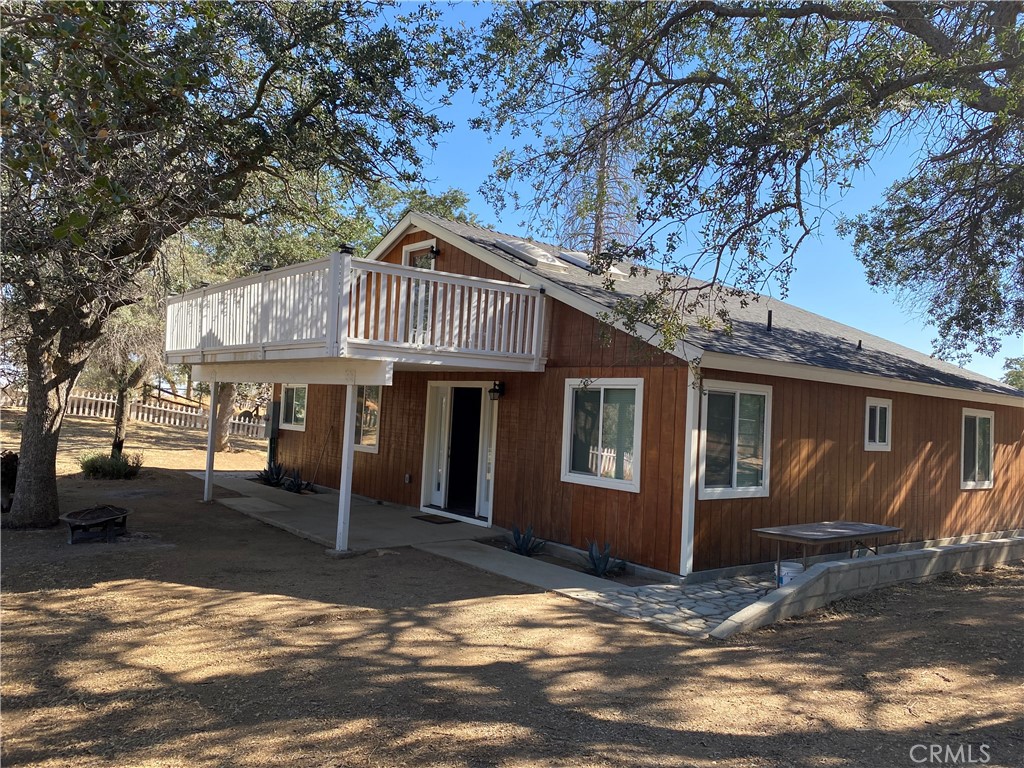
column 797, row 336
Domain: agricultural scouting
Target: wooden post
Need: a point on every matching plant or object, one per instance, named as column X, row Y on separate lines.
column 348, row 439
column 211, row 433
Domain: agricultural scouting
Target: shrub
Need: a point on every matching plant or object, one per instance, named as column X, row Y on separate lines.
column 601, row 562
column 104, row 467
column 296, row 484
column 274, row 475
column 526, row 543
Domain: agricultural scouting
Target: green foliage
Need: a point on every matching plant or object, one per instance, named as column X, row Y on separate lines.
column 751, row 114
column 1014, row 367
column 125, row 123
column 274, row 475
column 525, row 543
column 601, row 561
column 101, row 466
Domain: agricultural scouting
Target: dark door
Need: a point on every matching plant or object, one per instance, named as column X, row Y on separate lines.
column 464, row 450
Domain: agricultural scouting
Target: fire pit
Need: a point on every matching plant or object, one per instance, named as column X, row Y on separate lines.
column 112, row 521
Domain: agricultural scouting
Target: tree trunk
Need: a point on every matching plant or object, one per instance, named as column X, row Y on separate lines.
column 50, row 379
column 121, row 411
column 188, row 384
column 225, row 410
column 120, row 423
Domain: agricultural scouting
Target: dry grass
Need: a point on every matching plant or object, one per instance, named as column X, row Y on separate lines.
column 162, row 446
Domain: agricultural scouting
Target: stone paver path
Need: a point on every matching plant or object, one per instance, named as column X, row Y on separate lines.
column 692, row 609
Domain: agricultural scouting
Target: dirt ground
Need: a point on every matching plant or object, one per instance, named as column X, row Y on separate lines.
column 162, row 446
column 209, row 639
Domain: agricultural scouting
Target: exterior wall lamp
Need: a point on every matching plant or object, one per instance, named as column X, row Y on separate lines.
column 498, row 390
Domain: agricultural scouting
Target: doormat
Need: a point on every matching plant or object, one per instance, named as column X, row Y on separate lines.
column 435, row 519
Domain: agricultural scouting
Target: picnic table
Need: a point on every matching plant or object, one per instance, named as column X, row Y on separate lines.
column 112, row 521
column 820, row 534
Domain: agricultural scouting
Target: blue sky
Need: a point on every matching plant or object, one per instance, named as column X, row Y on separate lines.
column 828, row 279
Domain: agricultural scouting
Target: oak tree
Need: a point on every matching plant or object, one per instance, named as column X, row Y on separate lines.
column 123, row 123
column 755, row 116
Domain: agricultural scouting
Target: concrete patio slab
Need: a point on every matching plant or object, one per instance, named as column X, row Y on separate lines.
column 526, row 570
column 246, row 504
column 373, row 525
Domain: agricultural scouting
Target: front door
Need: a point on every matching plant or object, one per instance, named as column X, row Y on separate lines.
column 459, row 449
column 464, row 451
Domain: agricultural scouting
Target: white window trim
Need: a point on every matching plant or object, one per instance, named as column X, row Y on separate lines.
column 369, row 448
column 579, row 478
column 878, row 402
column 422, row 245
column 975, row 485
column 738, row 388
column 281, row 422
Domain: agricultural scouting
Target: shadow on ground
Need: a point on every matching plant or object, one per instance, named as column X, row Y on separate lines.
column 221, row 641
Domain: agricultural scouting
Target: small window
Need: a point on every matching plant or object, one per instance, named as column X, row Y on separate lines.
column 419, row 254
column 601, row 433
column 293, row 407
column 367, row 418
column 976, row 449
column 878, row 425
column 734, row 440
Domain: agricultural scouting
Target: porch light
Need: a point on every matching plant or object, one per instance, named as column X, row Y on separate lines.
column 346, row 249
column 434, row 252
column 498, row 390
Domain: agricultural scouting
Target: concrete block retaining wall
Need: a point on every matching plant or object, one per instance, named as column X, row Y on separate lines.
column 826, row 582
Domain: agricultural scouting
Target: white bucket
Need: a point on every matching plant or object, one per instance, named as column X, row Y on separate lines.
column 787, row 572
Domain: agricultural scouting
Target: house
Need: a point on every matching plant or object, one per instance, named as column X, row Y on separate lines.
column 480, row 381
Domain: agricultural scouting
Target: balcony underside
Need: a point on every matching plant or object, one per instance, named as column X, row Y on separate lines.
column 241, row 356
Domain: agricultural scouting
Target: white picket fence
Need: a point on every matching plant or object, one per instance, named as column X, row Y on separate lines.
column 602, row 463
column 101, row 405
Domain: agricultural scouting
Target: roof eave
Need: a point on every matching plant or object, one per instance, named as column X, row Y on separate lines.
column 741, row 364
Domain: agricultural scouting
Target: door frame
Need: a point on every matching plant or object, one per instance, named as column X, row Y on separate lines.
column 434, row 429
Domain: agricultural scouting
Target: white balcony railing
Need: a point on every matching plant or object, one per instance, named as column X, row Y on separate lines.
column 347, row 307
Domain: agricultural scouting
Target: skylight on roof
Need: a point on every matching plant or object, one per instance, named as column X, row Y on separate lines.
column 530, row 253
column 582, row 259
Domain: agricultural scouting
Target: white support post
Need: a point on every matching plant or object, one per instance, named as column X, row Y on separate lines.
column 211, row 434
column 348, row 439
column 538, row 330
column 691, row 435
column 333, row 304
column 343, row 299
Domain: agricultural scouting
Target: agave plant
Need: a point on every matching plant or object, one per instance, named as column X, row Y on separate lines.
column 525, row 543
column 274, row 475
column 295, row 483
column 601, row 562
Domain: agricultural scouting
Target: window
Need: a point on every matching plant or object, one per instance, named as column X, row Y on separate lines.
column 419, row 255
column 877, row 425
column 367, row 418
column 293, row 407
column 601, row 433
column 734, row 440
column 976, row 449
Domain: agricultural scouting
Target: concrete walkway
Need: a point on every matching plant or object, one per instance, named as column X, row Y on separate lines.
column 314, row 516
column 694, row 609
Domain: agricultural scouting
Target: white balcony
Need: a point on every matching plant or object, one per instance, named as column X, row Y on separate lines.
column 353, row 308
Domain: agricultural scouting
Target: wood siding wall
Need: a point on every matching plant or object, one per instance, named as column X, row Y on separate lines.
column 819, row 469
